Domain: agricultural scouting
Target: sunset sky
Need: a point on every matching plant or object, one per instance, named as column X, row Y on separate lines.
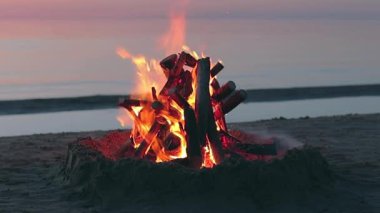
column 67, row 47
column 121, row 9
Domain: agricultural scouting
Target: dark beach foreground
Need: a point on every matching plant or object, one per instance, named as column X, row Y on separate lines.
column 30, row 171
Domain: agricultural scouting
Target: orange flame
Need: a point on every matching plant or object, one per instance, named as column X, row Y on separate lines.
column 150, row 74
column 123, row 53
column 173, row 40
column 123, row 118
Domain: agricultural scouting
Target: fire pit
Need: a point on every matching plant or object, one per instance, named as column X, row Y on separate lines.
column 180, row 143
column 185, row 121
column 96, row 172
column 180, row 147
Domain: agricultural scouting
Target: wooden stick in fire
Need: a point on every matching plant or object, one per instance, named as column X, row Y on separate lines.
column 146, row 143
column 204, row 112
column 193, row 148
column 233, row 101
column 168, row 63
column 219, row 94
column 202, row 97
column 224, row 91
column 216, row 69
column 174, row 74
column 173, row 68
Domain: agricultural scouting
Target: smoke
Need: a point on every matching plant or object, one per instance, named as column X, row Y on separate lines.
column 282, row 141
column 285, row 142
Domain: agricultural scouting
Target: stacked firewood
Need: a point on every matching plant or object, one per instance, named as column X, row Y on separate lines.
column 202, row 122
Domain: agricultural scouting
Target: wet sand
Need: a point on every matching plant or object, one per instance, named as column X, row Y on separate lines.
column 30, row 165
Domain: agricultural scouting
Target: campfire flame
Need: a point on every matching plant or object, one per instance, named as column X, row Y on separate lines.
column 162, row 104
column 175, row 38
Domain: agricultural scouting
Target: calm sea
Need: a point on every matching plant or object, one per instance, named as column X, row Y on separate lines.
column 42, row 59
column 89, row 120
column 67, row 58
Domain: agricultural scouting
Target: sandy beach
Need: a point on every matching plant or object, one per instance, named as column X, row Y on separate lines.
column 30, row 166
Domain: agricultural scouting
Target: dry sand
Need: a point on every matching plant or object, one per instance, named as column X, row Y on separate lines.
column 29, row 166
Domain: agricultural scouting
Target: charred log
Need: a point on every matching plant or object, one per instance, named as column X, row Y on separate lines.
column 214, row 139
column 193, row 148
column 157, row 106
column 172, row 142
column 202, row 98
column 215, row 84
column 178, row 67
column 216, row 69
column 174, row 75
column 145, row 144
column 187, row 87
column 179, row 100
column 168, row 64
column 233, row 101
column 190, row 60
column 224, row 91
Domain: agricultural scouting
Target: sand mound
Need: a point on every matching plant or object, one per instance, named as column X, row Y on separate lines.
column 100, row 179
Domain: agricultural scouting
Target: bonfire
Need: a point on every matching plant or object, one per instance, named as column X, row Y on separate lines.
column 180, row 143
column 177, row 111
column 185, row 120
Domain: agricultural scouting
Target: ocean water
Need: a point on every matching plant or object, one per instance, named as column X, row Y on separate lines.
column 65, row 58
column 60, row 58
column 12, row 125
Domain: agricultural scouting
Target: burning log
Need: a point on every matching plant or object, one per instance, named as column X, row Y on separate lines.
column 174, row 74
column 187, row 87
column 224, row 91
column 190, row 60
column 164, row 132
column 193, row 148
column 215, row 84
column 214, row 140
column 202, row 98
column 178, row 67
column 216, row 69
column 174, row 113
column 189, row 109
column 172, row 142
column 145, row 144
column 233, row 101
column 220, row 118
column 178, row 99
column 205, row 115
column 157, row 106
column 168, row 64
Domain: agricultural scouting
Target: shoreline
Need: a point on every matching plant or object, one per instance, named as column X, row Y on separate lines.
column 32, row 106
column 232, row 125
